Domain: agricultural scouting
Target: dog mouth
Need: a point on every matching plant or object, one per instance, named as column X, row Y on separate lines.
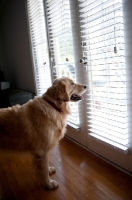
column 76, row 97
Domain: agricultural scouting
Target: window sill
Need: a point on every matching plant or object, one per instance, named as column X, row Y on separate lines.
column 73, row 126
column 111, row 143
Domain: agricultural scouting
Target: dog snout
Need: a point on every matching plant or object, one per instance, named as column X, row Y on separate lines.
column 85, row 86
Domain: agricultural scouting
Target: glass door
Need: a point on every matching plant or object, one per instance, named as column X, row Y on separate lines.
column 100, row 61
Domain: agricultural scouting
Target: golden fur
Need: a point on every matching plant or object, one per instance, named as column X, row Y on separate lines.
column 37, row 126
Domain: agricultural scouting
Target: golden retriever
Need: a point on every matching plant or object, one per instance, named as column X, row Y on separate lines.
column 38, row 125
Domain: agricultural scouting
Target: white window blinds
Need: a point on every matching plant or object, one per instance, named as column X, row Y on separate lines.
column 61, row 45
column 39, row 45
column 102, row 35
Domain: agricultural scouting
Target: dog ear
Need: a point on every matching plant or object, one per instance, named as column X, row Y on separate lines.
column 58, row 92
column 63, row 95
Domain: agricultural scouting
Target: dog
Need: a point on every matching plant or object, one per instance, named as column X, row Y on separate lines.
column 38, row 125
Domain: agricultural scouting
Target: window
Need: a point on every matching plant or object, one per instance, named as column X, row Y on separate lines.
column 102, row 35
column 61, row 46
column 39, row 45
column 101, row 40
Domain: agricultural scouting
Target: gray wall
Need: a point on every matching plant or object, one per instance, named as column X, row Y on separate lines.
column 1, row 50
column 16, row 57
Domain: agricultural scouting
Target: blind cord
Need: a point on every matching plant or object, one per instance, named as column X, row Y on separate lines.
column 115, row 48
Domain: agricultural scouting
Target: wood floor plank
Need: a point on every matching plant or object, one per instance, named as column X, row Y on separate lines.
column 71, row 187
column 80, row 174
column 39, row 189
column 64, row 189
column 67, row 170
column 95, row 193
column 101, row 180
column 2, row 196
column 5, row 186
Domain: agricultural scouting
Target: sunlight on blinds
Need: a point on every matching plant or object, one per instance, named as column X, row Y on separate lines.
column 39, row 45
column 102, row 34
column 61, row 45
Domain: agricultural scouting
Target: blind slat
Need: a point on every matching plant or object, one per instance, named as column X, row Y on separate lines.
column 39, row 45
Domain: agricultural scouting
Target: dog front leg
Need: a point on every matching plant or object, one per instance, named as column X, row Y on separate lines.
column 52, row 170
column 42, row 170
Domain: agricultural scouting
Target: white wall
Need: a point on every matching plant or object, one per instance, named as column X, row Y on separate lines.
column 17, row 63
column 128, row 53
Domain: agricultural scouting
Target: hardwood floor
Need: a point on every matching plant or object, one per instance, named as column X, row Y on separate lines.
column 80, row 174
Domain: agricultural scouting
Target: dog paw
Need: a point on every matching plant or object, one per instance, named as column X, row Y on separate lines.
column 52, row 170
column 52, row 185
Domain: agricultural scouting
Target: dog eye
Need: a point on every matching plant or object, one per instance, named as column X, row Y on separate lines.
column 72, row 83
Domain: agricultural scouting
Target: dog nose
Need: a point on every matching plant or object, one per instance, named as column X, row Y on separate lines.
column 85, row 86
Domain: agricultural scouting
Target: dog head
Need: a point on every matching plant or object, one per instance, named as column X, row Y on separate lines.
column 58, row 92
column 64, row 90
